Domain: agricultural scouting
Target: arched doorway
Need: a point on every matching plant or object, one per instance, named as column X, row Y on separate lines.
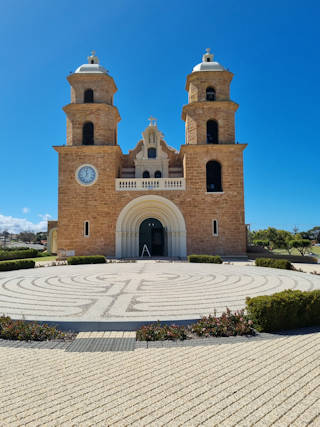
column 146, row 208
column 151, row 235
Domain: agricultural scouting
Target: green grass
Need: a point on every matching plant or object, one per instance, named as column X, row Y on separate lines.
column 43, row 258
column 314, row 249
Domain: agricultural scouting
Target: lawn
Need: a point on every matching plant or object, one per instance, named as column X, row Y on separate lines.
column 314, row 249
column 43, row 258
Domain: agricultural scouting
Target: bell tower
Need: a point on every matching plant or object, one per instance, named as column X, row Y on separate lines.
column 209, row 114
column 92, row 119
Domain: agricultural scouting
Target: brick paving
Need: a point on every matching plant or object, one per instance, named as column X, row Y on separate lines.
column 260, row 382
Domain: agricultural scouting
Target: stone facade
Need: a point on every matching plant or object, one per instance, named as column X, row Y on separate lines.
column 119, row 200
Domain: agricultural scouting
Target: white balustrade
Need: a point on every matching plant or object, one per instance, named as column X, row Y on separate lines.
column 147, row 184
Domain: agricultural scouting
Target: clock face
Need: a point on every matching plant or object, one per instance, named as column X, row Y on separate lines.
column 86, row 175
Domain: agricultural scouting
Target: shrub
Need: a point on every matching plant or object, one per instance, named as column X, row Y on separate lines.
column 213, row 259
column 228, row 324
column 18, row 254
column 285, row 310
column 27, row 331
column 43, row 254
column 274, row 263
column 87, row 259
column 158, row 332
column 16, row 265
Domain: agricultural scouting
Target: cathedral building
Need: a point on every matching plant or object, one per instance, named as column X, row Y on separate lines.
column 153, row 201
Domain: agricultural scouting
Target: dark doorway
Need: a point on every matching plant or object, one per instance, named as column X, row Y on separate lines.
column 151, row 233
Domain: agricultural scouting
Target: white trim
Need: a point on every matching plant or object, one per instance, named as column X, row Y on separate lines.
column 151, row 206
column 147, row 184
column 78, row 180
column 84, row 228
column 217, row 227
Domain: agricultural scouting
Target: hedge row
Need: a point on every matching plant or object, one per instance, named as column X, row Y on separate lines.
column 274, row 263
column 14, row 248
column 213, row 259
column 284, row 310
column 16, row 265
column 18, row 254
column 87, row 259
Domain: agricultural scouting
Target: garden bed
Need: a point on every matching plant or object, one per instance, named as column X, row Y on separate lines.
column 227, row 325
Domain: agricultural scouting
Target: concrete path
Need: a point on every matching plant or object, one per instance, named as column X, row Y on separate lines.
column 141, row 291
column 262, row 383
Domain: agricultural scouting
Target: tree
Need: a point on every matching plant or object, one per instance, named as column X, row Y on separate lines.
column 314, row 233
column 261, row 243
column 41, row 236
column 282, row 240
column 27, row 236
column 5, row 237
column 279, row 239
column 301, row 245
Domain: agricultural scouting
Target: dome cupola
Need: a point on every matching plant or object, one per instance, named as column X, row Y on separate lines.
column 93, row 66
column 208, row 64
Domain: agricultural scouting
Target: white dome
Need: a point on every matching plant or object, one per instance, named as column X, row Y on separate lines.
column 93, row 65
column 208, row 64
column 91, row 68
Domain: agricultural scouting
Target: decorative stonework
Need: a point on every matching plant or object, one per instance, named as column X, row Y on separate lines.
column 151, row 141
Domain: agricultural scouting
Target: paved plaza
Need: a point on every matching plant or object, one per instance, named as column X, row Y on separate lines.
column 254, row 383
column 139, row 291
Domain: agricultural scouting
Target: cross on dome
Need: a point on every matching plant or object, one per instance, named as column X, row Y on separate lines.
column 153, row 121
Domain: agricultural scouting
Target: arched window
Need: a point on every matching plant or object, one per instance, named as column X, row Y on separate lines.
column 152, row 153
column 213, row 177
column 157, row 174
column 88, row 96
column 212, row 132
column 146, row 174
column 210, row 94
column 88, row 133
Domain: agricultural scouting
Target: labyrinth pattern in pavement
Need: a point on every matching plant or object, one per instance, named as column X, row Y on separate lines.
column 144, row 292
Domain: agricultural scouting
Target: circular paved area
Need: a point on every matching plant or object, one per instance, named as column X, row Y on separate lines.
column 141, row 291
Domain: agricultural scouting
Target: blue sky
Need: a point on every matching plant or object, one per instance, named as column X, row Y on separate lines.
column 149, row 48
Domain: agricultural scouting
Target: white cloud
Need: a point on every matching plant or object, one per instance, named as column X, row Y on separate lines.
column 16, row 225
column 25, row 210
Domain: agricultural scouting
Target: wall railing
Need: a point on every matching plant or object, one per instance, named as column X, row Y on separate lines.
column 147, row 184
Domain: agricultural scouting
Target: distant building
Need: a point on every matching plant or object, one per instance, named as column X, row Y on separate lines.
column 154, row 199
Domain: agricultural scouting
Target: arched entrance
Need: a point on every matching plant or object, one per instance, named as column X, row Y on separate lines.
column 146, row 208
column 151, row 236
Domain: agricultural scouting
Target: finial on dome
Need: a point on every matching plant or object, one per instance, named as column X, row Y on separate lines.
column 207, row 57
column 153, row 121
column 93, row 59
